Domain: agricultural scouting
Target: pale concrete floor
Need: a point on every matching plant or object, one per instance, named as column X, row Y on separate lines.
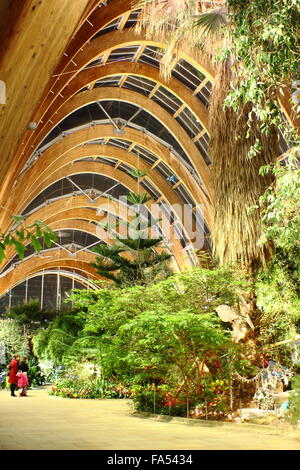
column 43, row 422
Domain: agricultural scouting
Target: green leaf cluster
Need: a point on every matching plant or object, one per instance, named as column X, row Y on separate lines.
column 278, row 287
column 143, row 334
column 133, row 259
column 265, row 50
column 12, row 335
column 23, row 235
column 293, row 413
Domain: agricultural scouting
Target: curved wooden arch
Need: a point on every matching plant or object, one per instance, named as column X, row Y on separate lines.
column 85, row 55
column 74, row 142
column 57, row 258
column 69, row 161
column 99, row 19
column 32, row 42
column 120, row 94
column 120, row 155
column 71, row 222
column 81, row 58
column 64, row 273
column 46, row 166
column 96, row 168
column 86, row 227
column 77, row 206
column 89, row 76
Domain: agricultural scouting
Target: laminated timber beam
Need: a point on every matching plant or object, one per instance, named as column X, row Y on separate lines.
column 72, row 143
column 77, row 206
column 89, row 76
column 59, row 214
column 106, row 170
column 98, row 168
column 87, row 227
column 34, row 43
column 82, row 50
column 82, row 59
column 117, row 154
column 120, row 94
column 58, row 258
column 71, row 39
column 52, row 259
column 55, row 214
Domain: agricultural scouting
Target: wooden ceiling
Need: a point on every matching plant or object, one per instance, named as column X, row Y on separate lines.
column 34, row 35
column 44, row 46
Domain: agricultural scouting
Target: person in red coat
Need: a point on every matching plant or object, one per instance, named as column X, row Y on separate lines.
column 12, row 376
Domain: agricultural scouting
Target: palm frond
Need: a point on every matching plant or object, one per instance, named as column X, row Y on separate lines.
column 138, row 173
column 236, row 179
column 138, row 198
column 210, row 23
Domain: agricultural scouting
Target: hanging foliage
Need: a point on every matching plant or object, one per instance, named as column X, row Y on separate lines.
column 235, row 176
column 23, row 235
column 255, row 48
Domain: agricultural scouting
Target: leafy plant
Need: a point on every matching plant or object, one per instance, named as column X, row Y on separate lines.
column 21, row 235
column 255, row 48
column 54, row 342
column 277, row 287
column 134, row 259
column 293, row 413
column 12, row 335
column 35, row 373
column 166, row 333
column 31, row 317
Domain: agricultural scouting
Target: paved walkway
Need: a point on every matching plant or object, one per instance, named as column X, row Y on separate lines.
column 43, row 422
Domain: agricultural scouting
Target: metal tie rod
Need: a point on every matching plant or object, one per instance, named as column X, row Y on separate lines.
column 109, row 117
column 78, row 187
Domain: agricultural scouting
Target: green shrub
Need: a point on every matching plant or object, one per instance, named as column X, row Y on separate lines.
column 293, row 413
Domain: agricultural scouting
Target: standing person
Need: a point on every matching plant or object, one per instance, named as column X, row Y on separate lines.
column 23, row 383
column 12, row 376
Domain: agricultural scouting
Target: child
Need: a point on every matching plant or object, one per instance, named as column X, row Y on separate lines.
column 22, row 383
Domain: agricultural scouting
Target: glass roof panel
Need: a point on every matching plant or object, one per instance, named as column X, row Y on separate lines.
column 108, row 81
column 139, row 84
column 168, row 104
column 202, row 146
column 189, row 122
column 147, row 156
column 154, row 193
column 64, row 186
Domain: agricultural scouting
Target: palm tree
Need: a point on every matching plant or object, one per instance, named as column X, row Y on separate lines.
column 236, row 131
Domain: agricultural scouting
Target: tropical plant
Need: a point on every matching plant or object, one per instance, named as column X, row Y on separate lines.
column 3, row 377
column 159, row 333
column 278, row 288
column 280, row 209
column 12, row 335
column 255, row 49
column 35, row 374
column 54, row 342
column 21, row 235
column 135, row 259
column 293, row 413
column 31, row 317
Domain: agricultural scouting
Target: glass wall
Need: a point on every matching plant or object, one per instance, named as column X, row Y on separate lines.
column 50, row 289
